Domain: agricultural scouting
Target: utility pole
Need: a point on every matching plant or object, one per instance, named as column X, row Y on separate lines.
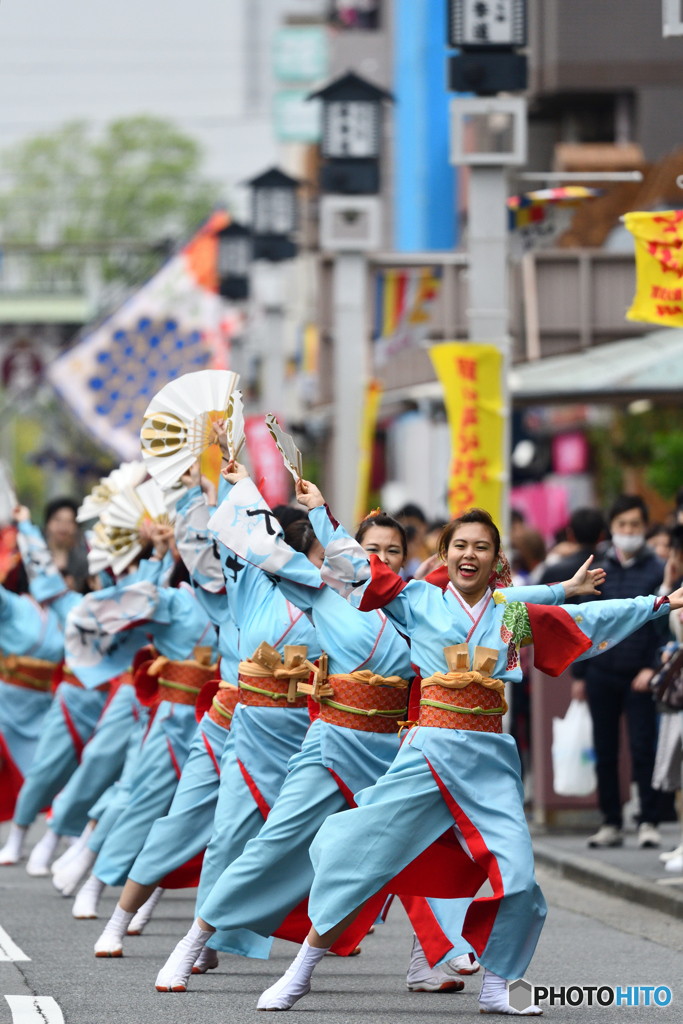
column 488, row 135
column 350, row 228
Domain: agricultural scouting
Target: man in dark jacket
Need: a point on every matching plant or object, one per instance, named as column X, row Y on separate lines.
column 618, row 680
column 586, row 529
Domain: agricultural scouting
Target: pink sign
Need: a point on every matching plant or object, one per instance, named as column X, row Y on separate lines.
column 544, row 506
column 570, row 453
column 269, row 472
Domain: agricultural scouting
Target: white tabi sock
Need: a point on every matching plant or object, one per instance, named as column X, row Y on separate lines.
column 206, row 961
column 14, row 847
column 144, row 914
column 295, row 982
column 72, row 874
column 423, row 978
column 76, row 844
column 110, row 942
column 175, row 974
column 85, row 904
column 493, row 997
column 38, row 865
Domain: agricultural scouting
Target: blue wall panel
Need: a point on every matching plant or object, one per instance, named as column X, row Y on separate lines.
column 425, row 183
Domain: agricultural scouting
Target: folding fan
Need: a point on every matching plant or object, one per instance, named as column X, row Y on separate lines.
column 128, row 474
column 177, row 426
column 234, row 424
column 291, row 456
column 8, row 498
column 118, row 530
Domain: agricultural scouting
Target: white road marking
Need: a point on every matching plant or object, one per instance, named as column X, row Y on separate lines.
column 34, row 1010
column 9, row 949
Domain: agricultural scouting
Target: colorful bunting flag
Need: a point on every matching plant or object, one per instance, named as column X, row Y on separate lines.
column 174, row 324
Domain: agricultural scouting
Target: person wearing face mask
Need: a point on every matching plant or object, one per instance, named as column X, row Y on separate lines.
column 617, row 681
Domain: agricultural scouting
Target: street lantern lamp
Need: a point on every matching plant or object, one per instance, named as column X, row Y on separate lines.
column 235, row 251
column 352, row 135
column 274, row 215
column 487, row 33
column 486, row 24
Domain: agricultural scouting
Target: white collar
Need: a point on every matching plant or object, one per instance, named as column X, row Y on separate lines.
column 474, row 611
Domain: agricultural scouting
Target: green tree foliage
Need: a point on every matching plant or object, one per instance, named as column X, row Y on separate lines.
column 665, row 472
column 650, row 442
column 141, row 180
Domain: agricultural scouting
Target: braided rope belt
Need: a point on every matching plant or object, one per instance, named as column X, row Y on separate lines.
column 464, row 697
column 266, row 681
column 28, row 673
column 181, row 681
column 223, row 704
column 365, row 702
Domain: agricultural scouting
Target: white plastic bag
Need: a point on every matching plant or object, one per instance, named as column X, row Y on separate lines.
column 573, row 752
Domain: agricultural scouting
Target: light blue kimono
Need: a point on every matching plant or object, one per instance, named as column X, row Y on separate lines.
column 176, row 624
column 444, row 776
column 105, row 752
column 186, row 829
column 26, row 629
column 58, row 759
column 262, row 739
column 73, row 713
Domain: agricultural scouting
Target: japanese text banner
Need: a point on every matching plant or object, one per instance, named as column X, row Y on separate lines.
column 659, row 267
column 472, row 379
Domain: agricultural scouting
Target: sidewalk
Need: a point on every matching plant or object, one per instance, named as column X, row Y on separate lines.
column 624, row 871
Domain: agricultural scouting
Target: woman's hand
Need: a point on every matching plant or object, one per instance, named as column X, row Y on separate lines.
column 308, row 494
column 578, row 691
column 161, row 535
column 209, row 491
column 192, row 476
column 220, row 436
column 585, row 581
column 676, row 599
column 21, row 514
column 641, row 683
column 429, row 565
column 234, row 472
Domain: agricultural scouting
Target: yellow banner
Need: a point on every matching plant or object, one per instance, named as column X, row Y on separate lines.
column 659, row 267
column 472, row 379
column 373, row 400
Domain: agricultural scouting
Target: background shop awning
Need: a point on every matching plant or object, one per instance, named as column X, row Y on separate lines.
column 651, row 366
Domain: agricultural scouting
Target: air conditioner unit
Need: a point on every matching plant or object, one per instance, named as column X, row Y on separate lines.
column 350, row 223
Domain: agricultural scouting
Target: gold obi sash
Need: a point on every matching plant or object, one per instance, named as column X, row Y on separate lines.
column 360, row 700
column 181, row 681
column 268, row 681
column 29, row 673
column 223, row 704
column 464, row 698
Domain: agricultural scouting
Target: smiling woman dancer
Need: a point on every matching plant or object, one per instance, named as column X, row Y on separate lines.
column 455, row 766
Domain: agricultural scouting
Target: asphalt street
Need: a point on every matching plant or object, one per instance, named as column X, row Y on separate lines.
column 589, row 939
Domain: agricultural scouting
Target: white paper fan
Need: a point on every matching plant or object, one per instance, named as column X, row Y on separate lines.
column 128, row 474
column 8, row 497
column 118, row 530
column 112, row 547
column 291, row 455
column 176, row 427
column 235, row 424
